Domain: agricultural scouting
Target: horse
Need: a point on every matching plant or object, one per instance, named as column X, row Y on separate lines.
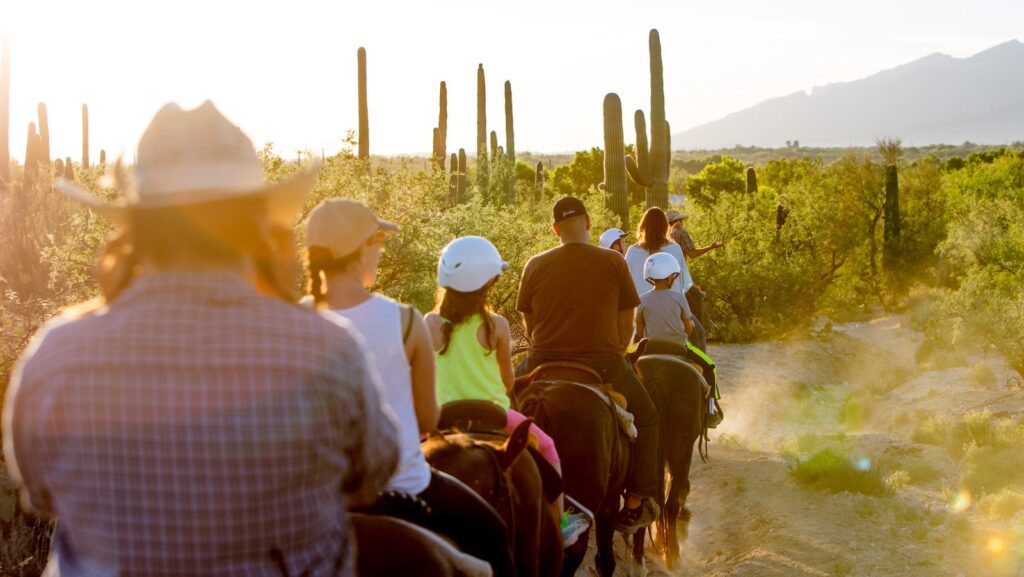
column 503, row 473
column 677, row 389
column 390, row 546
column 594, row 451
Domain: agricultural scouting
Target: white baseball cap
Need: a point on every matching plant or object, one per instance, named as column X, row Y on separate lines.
column 660, row 265
column 468, row 263
column 609, row 237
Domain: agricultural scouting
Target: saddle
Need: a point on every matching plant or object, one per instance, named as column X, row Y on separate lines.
column 486, row 419
column 583, row 376
column 473, row 416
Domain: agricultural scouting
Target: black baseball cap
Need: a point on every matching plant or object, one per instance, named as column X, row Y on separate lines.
column 568, row 207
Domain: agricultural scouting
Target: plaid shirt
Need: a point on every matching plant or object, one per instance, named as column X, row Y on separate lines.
column 196, row 427
column 683, row 239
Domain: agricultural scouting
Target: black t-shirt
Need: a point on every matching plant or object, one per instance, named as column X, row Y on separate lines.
column 573, row 294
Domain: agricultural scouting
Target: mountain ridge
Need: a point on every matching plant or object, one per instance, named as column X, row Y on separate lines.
column 928, row 100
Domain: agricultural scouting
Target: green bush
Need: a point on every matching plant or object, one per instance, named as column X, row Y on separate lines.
column 832, row 471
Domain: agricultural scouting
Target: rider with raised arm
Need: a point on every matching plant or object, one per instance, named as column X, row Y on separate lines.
column 577, row 301
column 344, row 242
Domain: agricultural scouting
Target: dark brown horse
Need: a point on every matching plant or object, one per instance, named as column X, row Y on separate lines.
column 594, row 453
column 677, row 390
column 507, row 477
column 389, row 546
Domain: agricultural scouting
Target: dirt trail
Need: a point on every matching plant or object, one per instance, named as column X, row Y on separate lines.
column 859, row 387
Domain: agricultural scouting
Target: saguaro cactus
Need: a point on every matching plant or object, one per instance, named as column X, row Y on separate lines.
column 5, row 109
column 658, row 191
column 891, row 226
column 69, row 169
column 510, row 141
column 103, row 157
column 364, row 114
column 650, row 168
column 615, row 190
column 44, row 132
column 453, row 177
column 85, row 136
column 481, row 128
column 538, row 179
column 639, row 167
column 58, row 167
column 441, row 141
column 32, row 154
column 436, row 157
column 751, row 180
column 494, row 146
column 460, row 191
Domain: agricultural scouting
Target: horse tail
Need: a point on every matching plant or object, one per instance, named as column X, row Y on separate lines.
column 663, row 515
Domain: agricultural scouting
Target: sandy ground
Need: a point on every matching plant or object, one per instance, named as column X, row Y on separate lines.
column 751, row 519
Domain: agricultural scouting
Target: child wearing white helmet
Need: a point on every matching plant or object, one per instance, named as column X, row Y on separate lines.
column 664, row 315
column 473, row 345
column 612, row 238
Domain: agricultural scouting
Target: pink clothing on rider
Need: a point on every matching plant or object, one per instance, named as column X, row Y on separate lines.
column 545, row 444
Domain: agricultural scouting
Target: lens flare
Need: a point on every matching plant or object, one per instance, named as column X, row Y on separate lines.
column 996, row 545
column 961, row 501
column 864, row 464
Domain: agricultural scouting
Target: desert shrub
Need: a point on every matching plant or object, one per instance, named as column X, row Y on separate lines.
column 982, row 375
column 832, row 471
column 854, row 412
column 982, row 252
column 979, row 429
column 766, row 279
column 897, row 479
column 1002, row 506
column 992, row 469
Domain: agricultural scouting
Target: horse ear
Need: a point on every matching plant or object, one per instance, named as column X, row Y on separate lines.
column 515, row 445
column 641, row 348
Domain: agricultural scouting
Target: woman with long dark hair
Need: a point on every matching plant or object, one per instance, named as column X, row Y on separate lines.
column 652, row 238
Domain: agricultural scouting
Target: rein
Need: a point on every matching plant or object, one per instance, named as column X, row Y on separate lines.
column 503, row 490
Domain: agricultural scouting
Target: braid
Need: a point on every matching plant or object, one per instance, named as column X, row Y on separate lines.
column 319, row 262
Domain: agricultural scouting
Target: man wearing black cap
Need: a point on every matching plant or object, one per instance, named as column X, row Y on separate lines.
column 577, row 301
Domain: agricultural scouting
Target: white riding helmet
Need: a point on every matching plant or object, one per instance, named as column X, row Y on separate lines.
column 609, row 237
column 469, row 263
column 660, row 265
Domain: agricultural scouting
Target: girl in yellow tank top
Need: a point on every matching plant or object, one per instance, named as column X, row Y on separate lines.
column 473, row 345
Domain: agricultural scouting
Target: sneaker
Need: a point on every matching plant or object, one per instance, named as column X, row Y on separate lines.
column 632, row 519
column 573, row 525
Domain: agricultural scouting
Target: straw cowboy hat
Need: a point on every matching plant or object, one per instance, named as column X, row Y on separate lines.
column 188, row 157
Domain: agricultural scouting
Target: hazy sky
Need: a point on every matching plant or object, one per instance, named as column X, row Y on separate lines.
column 286, row 71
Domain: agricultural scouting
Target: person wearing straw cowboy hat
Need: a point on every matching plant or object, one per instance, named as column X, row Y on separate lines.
column 191, row 421
column 694, row 294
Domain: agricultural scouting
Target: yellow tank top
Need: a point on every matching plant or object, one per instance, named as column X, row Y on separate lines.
column 467, row 370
